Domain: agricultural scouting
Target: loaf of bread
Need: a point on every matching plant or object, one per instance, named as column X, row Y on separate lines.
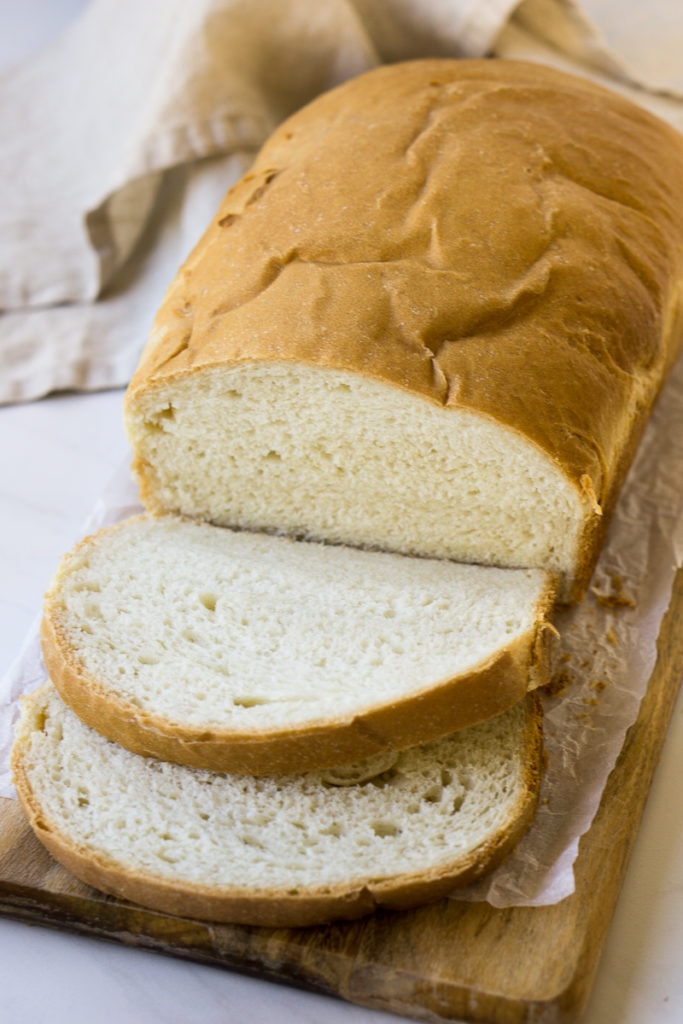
column 288, row 850
column 431, row 321
column 254, row 653
column 433, row 318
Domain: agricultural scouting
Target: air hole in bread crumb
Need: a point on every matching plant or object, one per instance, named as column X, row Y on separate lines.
column 89, row 586
column 250, row 702
column 164, row 416
column 168, row 857
column 93, row 610
column 252, row 841
column 433, row 794
column 332, row 830
column 148, row 659
column 209, row 601
column 385, row 829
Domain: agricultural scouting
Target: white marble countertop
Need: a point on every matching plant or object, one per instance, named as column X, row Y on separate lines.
column 55, row 457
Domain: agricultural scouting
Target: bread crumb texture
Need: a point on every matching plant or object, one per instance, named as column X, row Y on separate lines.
column 435, row 806
column 212, row 627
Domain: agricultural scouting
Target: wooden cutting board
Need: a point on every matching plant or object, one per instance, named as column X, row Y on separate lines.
column 449, row 960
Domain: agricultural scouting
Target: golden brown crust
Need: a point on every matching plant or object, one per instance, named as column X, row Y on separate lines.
column 513, row 245
column 445, row 707
column 281, row 908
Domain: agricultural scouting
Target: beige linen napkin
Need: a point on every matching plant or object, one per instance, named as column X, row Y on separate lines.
column 120, row 140
column 635, row 49
column 638, row 44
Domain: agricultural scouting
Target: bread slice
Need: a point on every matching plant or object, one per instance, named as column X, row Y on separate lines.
column 289, row 850
column 432, row 318
column 255, row 653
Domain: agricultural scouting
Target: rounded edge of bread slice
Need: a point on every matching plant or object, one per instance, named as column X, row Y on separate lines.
column 435, row 706
column 79, row 790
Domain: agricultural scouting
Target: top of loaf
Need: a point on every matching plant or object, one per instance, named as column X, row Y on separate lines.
column 447, row 226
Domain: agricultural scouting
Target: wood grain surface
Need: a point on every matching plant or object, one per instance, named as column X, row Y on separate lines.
column 447, row 961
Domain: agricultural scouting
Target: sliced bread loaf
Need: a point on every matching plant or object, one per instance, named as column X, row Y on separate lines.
column 433, row 318
column 249, row 652
column 290, row 850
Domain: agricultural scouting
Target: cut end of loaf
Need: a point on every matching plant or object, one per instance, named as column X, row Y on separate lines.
column 337, row 457
column 289, row 851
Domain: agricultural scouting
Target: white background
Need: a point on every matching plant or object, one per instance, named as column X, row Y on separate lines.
column 55, row 457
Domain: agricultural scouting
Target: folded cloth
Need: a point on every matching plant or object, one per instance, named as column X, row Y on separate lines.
column 121, row 139
column 633, row 43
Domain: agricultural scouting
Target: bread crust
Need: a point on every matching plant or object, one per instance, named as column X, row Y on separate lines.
column 534, row 221
column 444, row 707
column 278, row 907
